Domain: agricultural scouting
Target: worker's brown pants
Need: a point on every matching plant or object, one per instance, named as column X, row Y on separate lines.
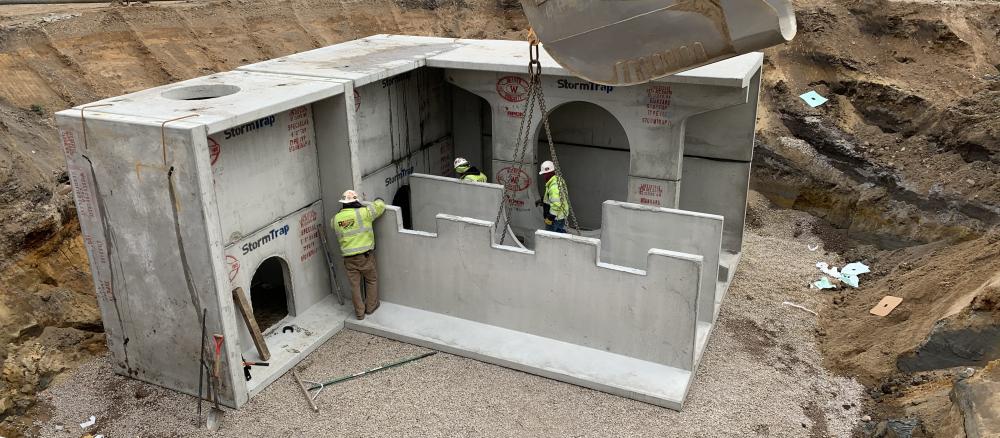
column 358, row 267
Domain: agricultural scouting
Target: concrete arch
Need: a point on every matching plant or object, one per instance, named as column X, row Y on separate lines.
column 263, row 284
column 593, row 150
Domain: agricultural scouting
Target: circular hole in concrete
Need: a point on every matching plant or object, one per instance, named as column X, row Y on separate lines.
column 200, row 92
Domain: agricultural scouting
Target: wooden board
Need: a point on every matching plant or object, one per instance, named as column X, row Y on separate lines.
column 258, row 339
column 886, row 306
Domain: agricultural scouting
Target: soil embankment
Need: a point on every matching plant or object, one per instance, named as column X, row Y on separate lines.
column 901, row 164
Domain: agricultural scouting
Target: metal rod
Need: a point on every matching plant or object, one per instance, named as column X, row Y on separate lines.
column 201, row 363
column 378, row 368
column 305, row 392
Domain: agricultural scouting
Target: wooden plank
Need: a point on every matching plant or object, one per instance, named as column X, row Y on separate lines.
column 258, row 339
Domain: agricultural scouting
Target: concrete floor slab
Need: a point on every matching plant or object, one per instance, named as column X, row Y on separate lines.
column 311, row 329
column 621, row 375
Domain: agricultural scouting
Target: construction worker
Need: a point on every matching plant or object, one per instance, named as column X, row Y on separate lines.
column 467, row 172
column 353, row 225
column 555, row 208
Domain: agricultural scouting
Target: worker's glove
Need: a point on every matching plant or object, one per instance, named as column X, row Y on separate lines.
column 548, row 221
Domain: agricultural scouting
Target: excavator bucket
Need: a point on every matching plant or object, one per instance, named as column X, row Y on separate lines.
column 626, row 42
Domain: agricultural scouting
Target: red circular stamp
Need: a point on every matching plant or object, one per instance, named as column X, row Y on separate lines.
column 357, row 101
column 512, row 88
column 213, row 150
column 234, row 267
column 514, row 179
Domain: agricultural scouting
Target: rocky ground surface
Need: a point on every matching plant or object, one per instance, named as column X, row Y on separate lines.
column 899, row 170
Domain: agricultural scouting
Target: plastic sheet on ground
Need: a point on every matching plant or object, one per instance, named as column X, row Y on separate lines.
column 813, row 99
column 855, row 268
column 824, row 283
column 848, row 275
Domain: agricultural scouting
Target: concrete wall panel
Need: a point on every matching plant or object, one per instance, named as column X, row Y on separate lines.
column 398, row 116
column 653, row 192
column 150, row 251
column 436, row 159
column 718, row 187
column 631, row 230
column 468, row 122
column 559, row 292
column 336, row 165
column 264, row 170
column 703, row 138
column 295, row 239
column 433, row 195
column 654, row 118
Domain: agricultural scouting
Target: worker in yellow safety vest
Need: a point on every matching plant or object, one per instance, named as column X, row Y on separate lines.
column 354, row 226
column 467, row 172
column 555, row 208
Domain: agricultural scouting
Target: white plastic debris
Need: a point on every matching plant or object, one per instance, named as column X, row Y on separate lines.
column 812, row 247
column 824, row 283
column 89, row 422
column 789, row 303
column 831, row 271
column 850, row 280
column 848, row 275
column 855, row 268
column 813, row 99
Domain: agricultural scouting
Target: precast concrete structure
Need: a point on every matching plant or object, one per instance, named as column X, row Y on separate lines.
column 188, row 191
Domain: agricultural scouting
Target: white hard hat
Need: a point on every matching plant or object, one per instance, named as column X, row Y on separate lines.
column 461, row 162
column 349, row 197
column 547, row 167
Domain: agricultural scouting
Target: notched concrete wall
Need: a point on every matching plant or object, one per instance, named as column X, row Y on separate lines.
column 432, row 195
column 631, row 230
column 559, row 291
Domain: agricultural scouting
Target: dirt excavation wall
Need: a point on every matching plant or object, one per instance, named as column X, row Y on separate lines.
column 904, row 153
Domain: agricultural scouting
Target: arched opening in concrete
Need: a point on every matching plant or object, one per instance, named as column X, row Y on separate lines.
column 473, row 130
column 593, row 152
column 271, row 293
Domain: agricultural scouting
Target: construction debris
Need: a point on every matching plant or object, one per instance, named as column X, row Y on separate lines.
column 789, row 303
column 813, row 99
column 848, row 275
column 823, row 283
column 89, row 422
column 886, row 306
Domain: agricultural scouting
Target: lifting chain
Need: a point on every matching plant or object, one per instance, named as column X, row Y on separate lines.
column 524, row 139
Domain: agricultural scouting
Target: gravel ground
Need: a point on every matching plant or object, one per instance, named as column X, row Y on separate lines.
column 761, row 376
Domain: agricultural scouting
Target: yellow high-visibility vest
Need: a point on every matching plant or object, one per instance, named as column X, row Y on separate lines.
column 355, row 227
column 480, row 177
column 558, row 207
